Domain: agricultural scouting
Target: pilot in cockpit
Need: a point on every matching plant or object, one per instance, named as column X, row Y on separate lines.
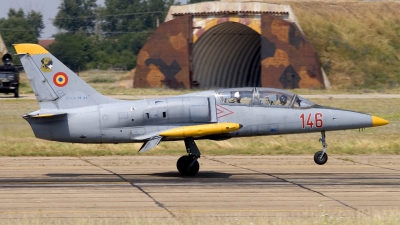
column 283, row 100
column 236, row 98
column 273, row 99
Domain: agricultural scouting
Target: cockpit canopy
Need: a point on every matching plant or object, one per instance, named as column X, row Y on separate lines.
column 266, row 97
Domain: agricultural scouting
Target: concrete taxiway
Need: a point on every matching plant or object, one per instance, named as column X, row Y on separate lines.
column 226, row 186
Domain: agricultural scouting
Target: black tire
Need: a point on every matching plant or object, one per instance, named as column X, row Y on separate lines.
column 320, row 160
column 16, row 93
column 183, row 164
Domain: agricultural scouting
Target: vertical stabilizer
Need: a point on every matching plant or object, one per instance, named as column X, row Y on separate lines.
column 54, row 84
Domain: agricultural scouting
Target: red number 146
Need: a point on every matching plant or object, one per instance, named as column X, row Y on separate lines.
column 312, row 122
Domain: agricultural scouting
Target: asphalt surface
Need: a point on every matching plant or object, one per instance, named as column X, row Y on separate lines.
column 226, row 186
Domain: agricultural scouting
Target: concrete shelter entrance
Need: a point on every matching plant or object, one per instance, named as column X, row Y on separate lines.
column 227, row 55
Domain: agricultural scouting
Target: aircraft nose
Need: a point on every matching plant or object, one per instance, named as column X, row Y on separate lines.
column 377, row 121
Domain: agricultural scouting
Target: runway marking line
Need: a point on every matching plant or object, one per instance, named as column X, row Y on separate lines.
column 159, row 204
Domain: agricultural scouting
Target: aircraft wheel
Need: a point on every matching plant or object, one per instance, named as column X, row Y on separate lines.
column 183, row 164
column 320, row 160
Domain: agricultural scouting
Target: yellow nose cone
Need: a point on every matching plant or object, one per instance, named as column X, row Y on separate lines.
column 376, row 121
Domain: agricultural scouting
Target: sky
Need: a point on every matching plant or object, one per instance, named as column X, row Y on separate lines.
column 48, row 8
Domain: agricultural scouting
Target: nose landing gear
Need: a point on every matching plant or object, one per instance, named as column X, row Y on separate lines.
column 321, row 157
column 188, row 165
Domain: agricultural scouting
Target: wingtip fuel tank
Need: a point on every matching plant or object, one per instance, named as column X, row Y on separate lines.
column 201, row 130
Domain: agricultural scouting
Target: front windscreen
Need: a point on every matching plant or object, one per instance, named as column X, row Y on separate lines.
column 302, row 102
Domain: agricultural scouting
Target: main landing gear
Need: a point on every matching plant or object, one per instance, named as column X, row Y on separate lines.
column 321, row 157
column 187, row 165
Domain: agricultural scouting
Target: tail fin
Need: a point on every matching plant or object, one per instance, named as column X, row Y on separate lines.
column 55, row 86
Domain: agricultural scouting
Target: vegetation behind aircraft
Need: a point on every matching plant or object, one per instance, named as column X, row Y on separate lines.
column 357, row 42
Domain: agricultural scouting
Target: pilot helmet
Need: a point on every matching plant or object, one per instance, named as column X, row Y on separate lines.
column 283, row 99
column 237, row 95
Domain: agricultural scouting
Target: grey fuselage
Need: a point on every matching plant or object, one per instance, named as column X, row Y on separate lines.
column 258, row 111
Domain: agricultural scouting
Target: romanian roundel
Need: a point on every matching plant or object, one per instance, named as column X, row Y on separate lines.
column 60, row 79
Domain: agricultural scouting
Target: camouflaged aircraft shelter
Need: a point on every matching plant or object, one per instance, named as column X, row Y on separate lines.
column 229, row 44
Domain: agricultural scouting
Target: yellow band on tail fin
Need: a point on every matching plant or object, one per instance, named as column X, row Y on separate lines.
column 32, row 49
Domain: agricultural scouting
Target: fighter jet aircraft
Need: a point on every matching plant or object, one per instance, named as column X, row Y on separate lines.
column 72, row 111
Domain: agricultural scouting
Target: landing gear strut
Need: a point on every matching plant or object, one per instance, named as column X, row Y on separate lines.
column 187, row 165
column 321, row 157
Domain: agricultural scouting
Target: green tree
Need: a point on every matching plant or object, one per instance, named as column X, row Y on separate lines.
column 121, row 16
column 74, row 50
column 21, row 28
column 126, row 26
column 13, row 13
column 160, row 6
column 35, row 19
column 127, row 16
column 76, row 15
column 121, row 52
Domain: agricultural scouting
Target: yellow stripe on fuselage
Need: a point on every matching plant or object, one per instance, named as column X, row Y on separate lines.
column 201, row 130
column 32, row 49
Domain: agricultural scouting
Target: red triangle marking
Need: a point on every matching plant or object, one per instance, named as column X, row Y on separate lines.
column 221, row 111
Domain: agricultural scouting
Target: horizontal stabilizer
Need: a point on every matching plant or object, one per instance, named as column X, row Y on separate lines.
column 201, row 130
column 153, row 142
column 44, row 115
